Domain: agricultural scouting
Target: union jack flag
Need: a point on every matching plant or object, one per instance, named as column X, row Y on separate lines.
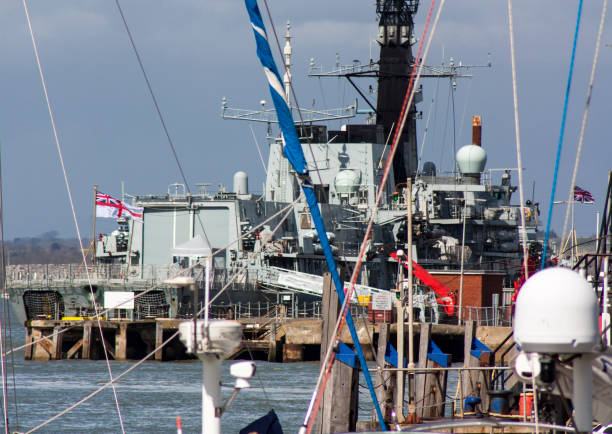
column 582, row 196
column 109, row 207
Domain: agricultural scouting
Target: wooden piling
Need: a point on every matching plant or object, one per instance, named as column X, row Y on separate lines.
column 28, row 348
column 159, row 339
column 339, row 404
column 474, row 383
column 272, row 342
column 121, row 342
column 293, row 353
column 430, row 387
column 58, row 340
column 86, row 352
column 384, row 386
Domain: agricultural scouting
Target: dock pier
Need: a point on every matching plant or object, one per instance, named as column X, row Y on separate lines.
column 273, row 337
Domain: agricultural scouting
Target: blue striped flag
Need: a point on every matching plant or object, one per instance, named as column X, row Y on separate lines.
column 291, row 143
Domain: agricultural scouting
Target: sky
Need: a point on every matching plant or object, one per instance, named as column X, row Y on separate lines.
column 197, row 52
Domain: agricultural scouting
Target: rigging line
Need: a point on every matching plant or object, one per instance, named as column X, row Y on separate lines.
column 452, row 92
column 403, row 116
column 154, row 287
column 560, row 144
column 382, row 155
column 445, row 131
column 4, row 391
column 257, row 374
column 246, row 264
column 585, row 115
column 431, row 109
column 297, row 105
column 157, row 348
column 157, row 109
column 5, row 314
column 258, row 150
column 519, row 160
column 69, row 192
column 104, row 386
column 467, row 98
column 322, row 93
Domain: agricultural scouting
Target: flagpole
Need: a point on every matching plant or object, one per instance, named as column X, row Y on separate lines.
column 93, row 237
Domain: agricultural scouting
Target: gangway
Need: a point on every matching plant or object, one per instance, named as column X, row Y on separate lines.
column 310, row 284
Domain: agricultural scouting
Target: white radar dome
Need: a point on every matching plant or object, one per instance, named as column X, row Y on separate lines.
column 241, row 183
column 347, row 181
column 556, row 312
column 471, row 159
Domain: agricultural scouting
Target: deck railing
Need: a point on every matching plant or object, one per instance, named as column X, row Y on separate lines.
column 62, row 274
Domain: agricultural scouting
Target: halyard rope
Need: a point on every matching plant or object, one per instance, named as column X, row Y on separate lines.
column 154, row 287
column 560, row 144
column 287, row 211
column 414, row 78
column 518, row 140
column 570, row 199
column 76, row 223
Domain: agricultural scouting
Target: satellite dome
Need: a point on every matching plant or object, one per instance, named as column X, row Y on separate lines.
column 347, row 181
column 471, row 159
column 241, row 183
column 556, row 312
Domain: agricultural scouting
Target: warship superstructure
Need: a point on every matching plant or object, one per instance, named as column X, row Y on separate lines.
column 467, row 216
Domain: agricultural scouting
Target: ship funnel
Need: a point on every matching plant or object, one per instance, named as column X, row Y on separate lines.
column 476, row 130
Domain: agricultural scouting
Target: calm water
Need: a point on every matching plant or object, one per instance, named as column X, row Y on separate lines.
column 151, row 396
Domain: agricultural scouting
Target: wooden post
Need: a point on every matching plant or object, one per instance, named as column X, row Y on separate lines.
column 474, row 383
column 272, row 342
column 86, row 354
column 411, row 382
column 430, row 387
column 28, row 348
column 159, row 339
column 384, row 380
column 293, row 353
column 57, row 343
column 400, row 375
column 121, row 342
column 42, row 350
column 339, row 404
column 75, row 348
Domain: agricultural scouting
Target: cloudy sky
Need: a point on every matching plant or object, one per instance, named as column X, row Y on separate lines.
column 197, row 52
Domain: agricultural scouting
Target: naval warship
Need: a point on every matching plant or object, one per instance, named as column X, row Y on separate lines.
column 463, row 223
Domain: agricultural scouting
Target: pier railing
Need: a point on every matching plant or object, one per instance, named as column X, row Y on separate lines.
column 304, row 310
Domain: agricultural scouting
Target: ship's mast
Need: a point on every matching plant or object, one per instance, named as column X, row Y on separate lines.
column 395, row 36
column 287, row 54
